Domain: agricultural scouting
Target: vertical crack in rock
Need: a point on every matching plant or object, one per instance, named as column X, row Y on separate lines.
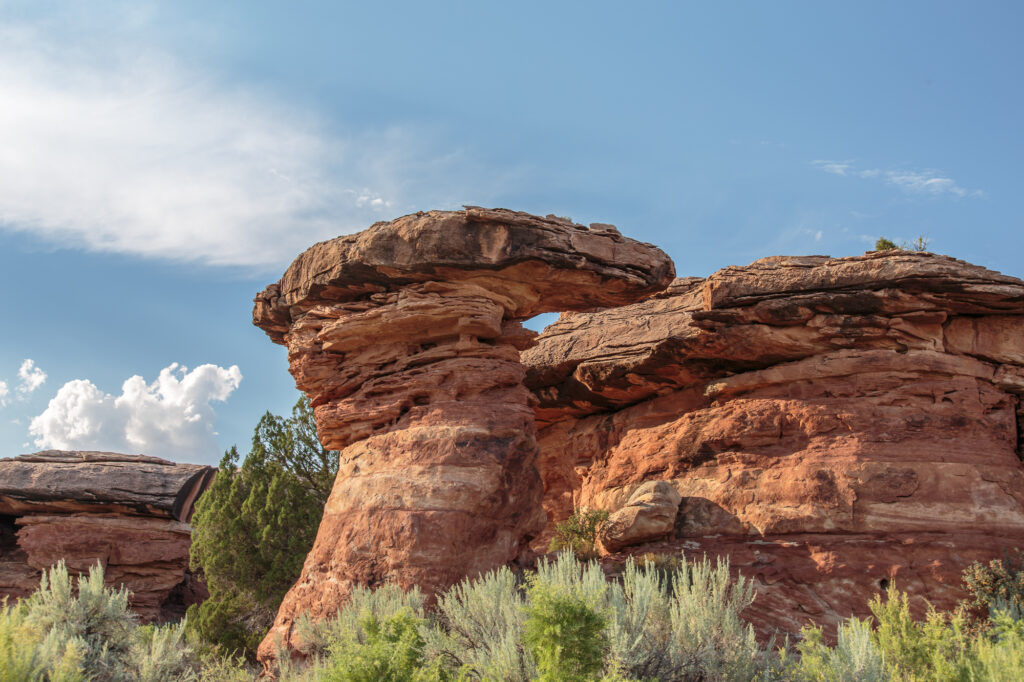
column 1020, row 429
column 406, row 337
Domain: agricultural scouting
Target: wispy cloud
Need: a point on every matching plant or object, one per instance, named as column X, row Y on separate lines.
column 31, row 377
column 836, row 167
column 920, row 182
column 122, row 148
column 171, row 417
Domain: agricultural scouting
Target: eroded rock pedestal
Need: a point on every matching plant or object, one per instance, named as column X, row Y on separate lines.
column 406, row 337
column 130, row 513
column 830, row 424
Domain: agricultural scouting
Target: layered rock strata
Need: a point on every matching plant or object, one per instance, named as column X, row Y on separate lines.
column 830, row 424
column 406, row 338
column 130, row 513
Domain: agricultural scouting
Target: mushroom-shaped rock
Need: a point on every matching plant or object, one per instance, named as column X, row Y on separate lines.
column 406, row 338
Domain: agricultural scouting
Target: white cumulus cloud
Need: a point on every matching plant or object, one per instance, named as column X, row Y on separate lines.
column 920, row 182
column 32, row 377
column 171, row 417
column 4, row 391
column 124, row 148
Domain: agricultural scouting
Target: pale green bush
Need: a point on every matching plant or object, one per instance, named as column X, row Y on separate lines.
column 97, row 619
column 58, row 635
column 159, row 654
column 640, row 627
column 216, row 668
column 1001, row 657
column 381, row 604
column 481, row 629
column 708, row 636
column 853, row 659
column 24, row 657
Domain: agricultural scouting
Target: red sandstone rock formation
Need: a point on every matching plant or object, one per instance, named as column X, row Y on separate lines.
column 129, row 512
column 831, row 424
column 406, row 338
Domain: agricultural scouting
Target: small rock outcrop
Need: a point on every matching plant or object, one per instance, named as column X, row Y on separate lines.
column 830, row 424
column 649, row 514
column 406, row 338
column 130, row 513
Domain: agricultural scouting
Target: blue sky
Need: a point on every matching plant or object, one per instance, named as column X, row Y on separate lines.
column 161, row 162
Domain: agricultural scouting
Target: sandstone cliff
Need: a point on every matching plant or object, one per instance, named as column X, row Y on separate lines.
column 830, row 424
column 129, row 512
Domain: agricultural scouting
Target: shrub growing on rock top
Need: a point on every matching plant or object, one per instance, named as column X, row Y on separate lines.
column 919, row 244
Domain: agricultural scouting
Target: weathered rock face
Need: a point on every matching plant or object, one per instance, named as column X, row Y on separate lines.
column 406, row 338
column 128, row 512
column 830, row 424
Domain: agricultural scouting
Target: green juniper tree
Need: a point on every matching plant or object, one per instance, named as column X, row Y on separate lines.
column 253, row 528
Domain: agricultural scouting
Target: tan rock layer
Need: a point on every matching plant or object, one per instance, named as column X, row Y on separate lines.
column 79, row 481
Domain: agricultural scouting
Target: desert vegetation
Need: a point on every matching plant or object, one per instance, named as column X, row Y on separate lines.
column 253, row 528
column 567, row 621
column 579, row 532
column 886, row 244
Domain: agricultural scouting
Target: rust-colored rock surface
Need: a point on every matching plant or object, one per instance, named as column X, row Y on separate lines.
column 406, row 338
column 128, row 512
column 830, row 424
